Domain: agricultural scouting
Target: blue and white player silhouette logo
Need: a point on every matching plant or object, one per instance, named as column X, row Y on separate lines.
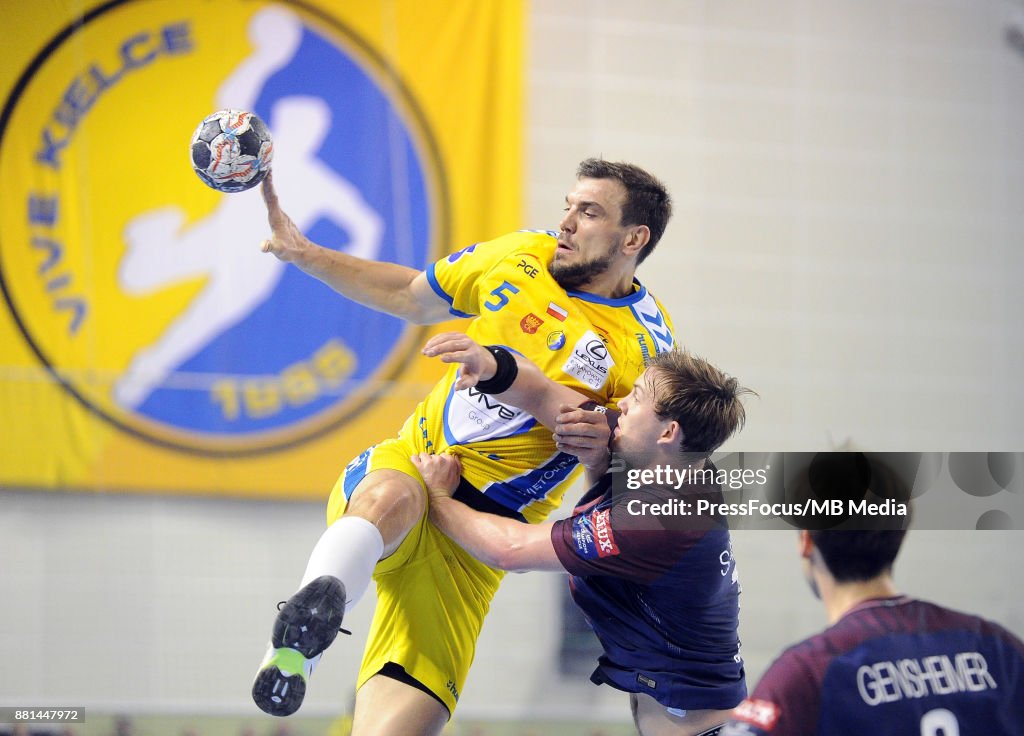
column 260, row 351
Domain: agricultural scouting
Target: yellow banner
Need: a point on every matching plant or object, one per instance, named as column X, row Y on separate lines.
column 145, row 342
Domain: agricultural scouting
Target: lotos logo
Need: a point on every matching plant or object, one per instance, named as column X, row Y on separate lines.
column 144, row 292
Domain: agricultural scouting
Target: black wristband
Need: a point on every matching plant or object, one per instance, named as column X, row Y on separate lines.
column 504, row 376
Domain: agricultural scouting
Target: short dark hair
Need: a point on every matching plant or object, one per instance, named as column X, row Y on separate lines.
column 864, row 553
column 854, row 555
column 647, row 200
column 703, row 400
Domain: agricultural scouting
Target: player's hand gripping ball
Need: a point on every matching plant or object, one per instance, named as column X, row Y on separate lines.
column 232, row 150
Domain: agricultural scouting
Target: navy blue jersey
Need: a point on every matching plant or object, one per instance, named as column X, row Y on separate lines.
column 893, row 666
column 661, row 595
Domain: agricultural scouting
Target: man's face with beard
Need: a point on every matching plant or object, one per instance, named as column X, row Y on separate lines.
column 590, row 233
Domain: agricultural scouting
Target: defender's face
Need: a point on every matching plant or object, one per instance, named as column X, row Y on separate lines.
column 639, row 426
column 590, row 233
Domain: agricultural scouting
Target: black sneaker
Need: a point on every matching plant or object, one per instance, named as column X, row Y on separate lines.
column 306, row 625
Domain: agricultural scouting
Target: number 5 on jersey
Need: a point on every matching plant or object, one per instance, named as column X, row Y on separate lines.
column 502, row 295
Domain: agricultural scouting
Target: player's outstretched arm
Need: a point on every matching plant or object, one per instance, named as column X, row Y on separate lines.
column 387, row 287
column 502, row 543
column 532, row 391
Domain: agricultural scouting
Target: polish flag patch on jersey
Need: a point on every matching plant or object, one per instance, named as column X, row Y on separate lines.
column 760, row 713
column 557, row 312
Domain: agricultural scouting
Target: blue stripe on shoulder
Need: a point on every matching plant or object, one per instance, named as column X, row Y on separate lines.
column 432, row 280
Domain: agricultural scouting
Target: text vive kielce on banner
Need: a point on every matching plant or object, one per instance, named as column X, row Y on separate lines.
column 146, row 344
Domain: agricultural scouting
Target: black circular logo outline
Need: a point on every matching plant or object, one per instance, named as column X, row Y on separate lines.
column 597, row 350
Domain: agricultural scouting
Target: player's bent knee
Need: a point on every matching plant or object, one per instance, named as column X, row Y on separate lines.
column 390, row 500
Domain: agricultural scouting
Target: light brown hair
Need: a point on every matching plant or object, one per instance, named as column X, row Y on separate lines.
column 701, row 398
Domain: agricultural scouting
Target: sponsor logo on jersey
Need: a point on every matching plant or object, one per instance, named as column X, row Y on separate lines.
column 473, row 416
column 519, row 491
column 528, row 268
column 645, row 351
column 530, row 323
column 556, row 340
column 649, row 315
column 160, row 315
column 452, row 689
column 589, row 361
column 760, row 713
column 597, row 351
column 603, row 533
column 593, row 535
column 459, row 253
column 583, row 536
column 557, row 312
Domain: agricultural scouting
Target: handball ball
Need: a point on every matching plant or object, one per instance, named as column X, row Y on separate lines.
column 232, row 150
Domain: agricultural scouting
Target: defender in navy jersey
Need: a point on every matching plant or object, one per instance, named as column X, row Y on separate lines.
column 888, row 665
column 661, row 595
column 661, row 592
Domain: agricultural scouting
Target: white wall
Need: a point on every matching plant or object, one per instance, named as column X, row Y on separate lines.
column 848, row 179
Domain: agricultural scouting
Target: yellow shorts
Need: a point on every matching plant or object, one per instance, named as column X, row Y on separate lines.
column 432, row 596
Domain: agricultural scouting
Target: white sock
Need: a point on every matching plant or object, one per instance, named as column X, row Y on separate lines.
column 348, row 550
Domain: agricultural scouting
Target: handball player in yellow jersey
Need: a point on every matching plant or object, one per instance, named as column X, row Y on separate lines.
column 568, row 302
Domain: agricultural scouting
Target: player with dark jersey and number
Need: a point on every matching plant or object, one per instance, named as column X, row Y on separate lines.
column 889, row 664
column 683, row 649
column 660, row 590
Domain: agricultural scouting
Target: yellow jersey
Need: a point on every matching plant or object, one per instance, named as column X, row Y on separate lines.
column 594, row 345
